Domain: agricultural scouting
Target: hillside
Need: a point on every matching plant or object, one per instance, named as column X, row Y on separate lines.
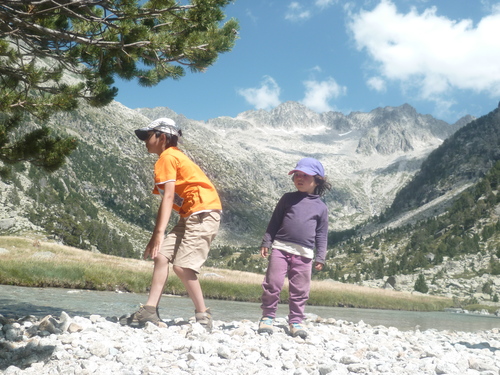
column 368, row 158
column 100, row 200
column 413, row 197
column 462, row 158
column 451, row 236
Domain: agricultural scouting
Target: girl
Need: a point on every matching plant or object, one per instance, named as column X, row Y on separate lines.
column 299, row 225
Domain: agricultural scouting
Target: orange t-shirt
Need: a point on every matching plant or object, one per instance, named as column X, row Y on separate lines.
column 194, row 192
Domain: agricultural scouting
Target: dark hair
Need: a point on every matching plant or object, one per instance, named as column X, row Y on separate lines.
column 171, row 140
column 322, row 185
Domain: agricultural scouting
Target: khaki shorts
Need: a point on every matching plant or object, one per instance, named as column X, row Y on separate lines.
column 188, row 243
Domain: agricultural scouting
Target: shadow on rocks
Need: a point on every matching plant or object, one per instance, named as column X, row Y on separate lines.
column 479, row 346
column 23, row 357
column 7, row 308
column 21, row 340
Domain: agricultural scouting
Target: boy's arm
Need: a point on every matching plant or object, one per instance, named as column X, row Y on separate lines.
column 162, row 219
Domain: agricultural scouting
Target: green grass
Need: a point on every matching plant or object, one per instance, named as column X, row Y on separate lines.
column 68, row 267
column 44, row 274
column 479, row 307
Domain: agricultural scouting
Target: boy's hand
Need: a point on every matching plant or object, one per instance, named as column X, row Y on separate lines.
column 264, row 252
column 318, row 266
column 162, row 219
column 153, row 247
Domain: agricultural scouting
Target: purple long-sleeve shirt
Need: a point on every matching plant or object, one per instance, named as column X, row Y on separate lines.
column 302, row 219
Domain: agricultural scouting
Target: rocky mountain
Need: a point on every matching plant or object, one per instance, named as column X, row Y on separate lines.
column 101, row 198
column 463, row 158
column 442, row 229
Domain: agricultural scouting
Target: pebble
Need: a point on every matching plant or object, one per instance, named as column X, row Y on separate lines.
column 99, row 345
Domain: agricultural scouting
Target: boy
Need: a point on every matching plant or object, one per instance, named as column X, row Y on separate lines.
column 183, row 187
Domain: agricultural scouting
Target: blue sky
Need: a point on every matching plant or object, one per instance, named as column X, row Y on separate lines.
column 440, row 56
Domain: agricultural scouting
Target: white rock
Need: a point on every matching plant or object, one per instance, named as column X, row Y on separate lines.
column 224, row 352
column 235, row 348
column 99, row 349
column 447, row 368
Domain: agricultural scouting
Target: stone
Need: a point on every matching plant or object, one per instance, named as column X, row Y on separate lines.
column 49, row 324
column 340, row 348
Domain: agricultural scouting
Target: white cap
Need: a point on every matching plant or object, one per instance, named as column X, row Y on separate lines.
column 165, row 125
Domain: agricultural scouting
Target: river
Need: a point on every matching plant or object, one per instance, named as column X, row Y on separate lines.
column 52, row 301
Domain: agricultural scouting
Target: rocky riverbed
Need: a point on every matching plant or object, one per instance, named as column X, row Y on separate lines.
column 99, row 345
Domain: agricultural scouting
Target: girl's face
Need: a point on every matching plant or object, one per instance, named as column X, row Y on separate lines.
column 304, row 182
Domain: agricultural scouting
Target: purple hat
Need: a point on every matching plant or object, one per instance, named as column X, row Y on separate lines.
column 309, row 166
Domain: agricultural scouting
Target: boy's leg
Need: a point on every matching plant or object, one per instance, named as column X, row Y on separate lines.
column 166, row 255
column 149, row 311
column 190, row 281
column 160, row 276
column 192, row 252
column 299, row 278
column 273, row 282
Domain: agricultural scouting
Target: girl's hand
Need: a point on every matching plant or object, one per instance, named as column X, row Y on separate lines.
column 264, row 252
column 318, row 266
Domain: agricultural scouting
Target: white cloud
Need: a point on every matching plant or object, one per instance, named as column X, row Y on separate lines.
column 251, row 16
column 318, row 94
column 430, row 52
column 296, row 12
column 443, row 106
column 264, row 97
column 324, row 3
column 489, row 7
column 377, row 84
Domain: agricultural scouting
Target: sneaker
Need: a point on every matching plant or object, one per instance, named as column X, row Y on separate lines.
column 266, row 325
column 145, row 314
column 298, row 330
column 204, row 318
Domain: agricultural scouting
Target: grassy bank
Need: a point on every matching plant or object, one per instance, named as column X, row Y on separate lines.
column 31, row 263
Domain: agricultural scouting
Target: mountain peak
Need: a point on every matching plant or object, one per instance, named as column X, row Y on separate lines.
column 369, row 156
column 399, row 129
column 287, row 115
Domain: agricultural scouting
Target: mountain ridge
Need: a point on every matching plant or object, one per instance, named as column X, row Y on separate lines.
column 248, row 158
column 462, row 158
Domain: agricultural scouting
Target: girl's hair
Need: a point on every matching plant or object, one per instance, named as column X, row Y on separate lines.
column 322, row 185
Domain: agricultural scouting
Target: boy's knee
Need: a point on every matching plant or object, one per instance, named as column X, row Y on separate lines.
column 179, row 270
column 161, row 259
column 183, row 272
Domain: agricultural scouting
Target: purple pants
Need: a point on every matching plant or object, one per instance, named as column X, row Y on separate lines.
column 298, row 269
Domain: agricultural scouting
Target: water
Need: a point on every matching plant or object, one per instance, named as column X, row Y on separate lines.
column 44, row 301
